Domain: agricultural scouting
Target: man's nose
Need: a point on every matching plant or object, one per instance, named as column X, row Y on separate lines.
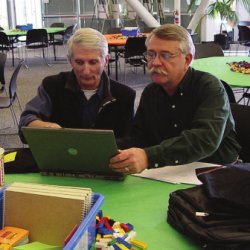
column 86, row 68
column 156, row 60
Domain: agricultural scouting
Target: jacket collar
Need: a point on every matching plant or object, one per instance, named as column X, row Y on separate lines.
column 103, row 90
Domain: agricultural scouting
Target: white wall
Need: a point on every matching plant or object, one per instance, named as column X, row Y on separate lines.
column 242, row 13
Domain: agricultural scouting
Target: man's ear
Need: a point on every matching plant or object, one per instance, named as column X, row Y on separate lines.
column 188, row 58
column 106, row 60
column 69, row 59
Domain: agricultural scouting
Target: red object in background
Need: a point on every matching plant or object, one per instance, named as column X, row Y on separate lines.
column 176, row 17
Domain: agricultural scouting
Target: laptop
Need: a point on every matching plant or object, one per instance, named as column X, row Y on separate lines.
column 73, row 152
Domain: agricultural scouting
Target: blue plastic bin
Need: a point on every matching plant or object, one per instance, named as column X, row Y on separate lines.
column 84, row 237
column 130, row 31
column 1, row 207
column 29, row 26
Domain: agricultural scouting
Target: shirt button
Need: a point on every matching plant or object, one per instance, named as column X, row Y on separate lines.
column 156, row 165
column 175, row 125
column 176, row 162
column 181, row 94
column 173, row 106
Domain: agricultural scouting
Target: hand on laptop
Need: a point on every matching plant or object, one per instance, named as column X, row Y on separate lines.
column 129, row 161
column 39, row 123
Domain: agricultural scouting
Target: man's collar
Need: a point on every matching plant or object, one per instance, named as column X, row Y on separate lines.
column 103, row 90
column 185, row 79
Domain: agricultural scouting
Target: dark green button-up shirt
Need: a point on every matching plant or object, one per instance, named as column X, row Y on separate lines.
column 195, row 124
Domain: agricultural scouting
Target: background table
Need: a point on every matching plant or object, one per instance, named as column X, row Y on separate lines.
column 115, row 41
column 218, row 66
column 139, row 201
column 14, row 34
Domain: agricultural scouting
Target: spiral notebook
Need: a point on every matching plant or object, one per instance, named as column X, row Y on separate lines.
column 73, row 152
column 48, row 212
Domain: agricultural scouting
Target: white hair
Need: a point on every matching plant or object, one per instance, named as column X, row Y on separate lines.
column 88, row 38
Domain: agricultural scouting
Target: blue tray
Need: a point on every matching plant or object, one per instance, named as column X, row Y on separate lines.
column 25, row 27
column 86, row 232
column 130, row 32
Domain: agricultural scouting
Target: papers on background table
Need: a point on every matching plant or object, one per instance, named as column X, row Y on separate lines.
column 176, row 174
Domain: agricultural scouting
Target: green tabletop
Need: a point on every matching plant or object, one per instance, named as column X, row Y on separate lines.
column 135, row 200
column 54, row 30
column 218, row 66
column 50, row 30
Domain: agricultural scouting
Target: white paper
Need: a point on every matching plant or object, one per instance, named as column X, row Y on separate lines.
column 176, row 174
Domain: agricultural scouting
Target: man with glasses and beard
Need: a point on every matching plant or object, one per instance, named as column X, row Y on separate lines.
column 183, row 116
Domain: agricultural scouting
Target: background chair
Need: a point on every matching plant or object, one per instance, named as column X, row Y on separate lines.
column 8, row 101
column 37, row 39
column 203, row 50
column 244, row 36
column 61, row 25
column 133, row 53
column 57, row 35
column 229, row 91
column 3, row 58
column 7, row 45
column 68, row 32
column 245, row 96
column 241, row 114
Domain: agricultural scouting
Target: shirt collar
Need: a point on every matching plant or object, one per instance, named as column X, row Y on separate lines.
column 184, row 84
column 72, row 84
column 185, row 80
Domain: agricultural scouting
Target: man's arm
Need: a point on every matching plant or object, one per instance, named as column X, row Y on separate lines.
column 37, row 112
column 38, row 109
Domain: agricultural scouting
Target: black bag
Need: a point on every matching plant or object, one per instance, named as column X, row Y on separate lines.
column 24, row 162
column 216, row 214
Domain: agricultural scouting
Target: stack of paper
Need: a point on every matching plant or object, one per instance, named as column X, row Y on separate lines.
column 48, row 212
column 176, row 174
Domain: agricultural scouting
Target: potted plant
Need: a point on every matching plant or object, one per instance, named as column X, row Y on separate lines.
column 224, row 10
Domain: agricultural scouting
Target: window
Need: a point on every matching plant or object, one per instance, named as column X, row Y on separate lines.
column 3, row 15
column 28, row 11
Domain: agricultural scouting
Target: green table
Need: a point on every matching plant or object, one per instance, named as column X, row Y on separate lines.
column 139, row 201
column 218, row 66
column 14, row 34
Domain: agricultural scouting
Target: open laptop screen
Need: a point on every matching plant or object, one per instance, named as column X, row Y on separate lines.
column 73, row 152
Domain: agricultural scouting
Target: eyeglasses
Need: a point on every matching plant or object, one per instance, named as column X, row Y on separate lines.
column 163, row 56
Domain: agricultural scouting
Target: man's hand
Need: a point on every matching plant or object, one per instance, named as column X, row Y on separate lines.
column 129, row 161
column 42, row 124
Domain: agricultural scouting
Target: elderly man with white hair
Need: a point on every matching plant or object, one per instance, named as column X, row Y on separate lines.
column 84, row 97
